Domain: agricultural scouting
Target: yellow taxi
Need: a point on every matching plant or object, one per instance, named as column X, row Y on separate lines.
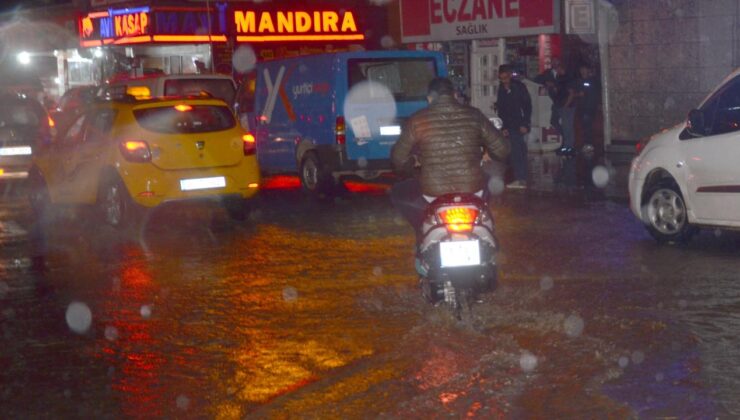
column 126, row 156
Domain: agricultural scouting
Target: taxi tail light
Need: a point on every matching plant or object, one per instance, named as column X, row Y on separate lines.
column 249, row 144
column 458, row 219
column 340, row 130
column 135, row 151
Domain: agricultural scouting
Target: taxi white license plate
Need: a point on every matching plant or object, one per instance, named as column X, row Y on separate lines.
column 202, row 183
column 459, row 253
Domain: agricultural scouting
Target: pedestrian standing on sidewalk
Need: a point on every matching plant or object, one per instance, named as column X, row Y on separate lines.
column 567, row 87
column 514, row 107
column 587, row 105
column 549, row 79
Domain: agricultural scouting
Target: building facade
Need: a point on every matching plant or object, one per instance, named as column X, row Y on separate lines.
column 664, row 57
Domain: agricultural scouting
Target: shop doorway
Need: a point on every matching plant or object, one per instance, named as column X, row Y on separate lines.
column 486, row 55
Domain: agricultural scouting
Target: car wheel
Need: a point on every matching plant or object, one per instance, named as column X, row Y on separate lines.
column 38, row 195
column 665, row 215
column 115, row 204
column 238, row 209
column 313, row 178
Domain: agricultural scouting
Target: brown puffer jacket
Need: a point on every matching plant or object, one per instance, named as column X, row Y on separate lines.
column 450, row 138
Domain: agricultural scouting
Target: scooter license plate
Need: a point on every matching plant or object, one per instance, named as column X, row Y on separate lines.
column 459, row 253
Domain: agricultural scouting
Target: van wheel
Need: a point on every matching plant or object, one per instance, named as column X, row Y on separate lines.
column 313, row 177
column 115, row 204
column 665, row 215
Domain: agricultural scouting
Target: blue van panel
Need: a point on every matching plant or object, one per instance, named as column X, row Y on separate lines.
column 299, row 99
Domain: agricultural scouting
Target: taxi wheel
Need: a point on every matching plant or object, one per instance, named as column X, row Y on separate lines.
column 115, row 204
column 665, row 214
column 38, row 195
column 313, row 178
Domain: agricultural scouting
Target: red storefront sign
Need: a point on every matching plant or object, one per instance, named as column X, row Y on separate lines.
column 450, row 20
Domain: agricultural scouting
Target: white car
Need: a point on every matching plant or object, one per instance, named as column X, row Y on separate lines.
column 688, row 176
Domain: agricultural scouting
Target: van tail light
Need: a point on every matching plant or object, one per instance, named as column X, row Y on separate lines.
column 249, row 144
column 340, row 130
column 458, row 219
column 135, row 151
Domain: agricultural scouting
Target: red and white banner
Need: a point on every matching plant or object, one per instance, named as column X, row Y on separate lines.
column 451, row 20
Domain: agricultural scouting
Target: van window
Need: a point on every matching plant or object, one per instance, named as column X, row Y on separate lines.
column 219, row 88
column 195, row 119
column 406, row 78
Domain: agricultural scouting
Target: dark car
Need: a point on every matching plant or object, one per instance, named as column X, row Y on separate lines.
column 72, row 104
column 24, row 126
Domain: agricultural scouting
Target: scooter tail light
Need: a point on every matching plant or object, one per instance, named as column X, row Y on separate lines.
column 458, row 219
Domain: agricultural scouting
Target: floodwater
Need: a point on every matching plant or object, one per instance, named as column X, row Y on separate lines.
column 312, row 310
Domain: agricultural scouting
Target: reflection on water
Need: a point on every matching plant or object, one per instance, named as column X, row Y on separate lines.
column 710, row 308
column 183, row 327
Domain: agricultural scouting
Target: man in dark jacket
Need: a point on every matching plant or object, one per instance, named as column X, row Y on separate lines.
column 514, row 107
column 450, row 139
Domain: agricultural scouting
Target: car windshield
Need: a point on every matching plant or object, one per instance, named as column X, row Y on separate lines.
column 219, row 88
column 185, row 118
column 406, row 79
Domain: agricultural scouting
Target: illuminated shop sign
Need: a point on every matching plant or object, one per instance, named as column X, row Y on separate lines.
column 116, row 26
column 450, row 20
column 195, row 21
column 162, row 24
column 270, row 26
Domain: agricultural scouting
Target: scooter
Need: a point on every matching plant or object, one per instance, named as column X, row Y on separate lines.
column 457, row 251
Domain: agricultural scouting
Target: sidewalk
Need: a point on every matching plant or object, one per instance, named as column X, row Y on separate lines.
column 608, row 173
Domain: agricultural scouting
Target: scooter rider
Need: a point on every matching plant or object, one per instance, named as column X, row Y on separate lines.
column 449, row 139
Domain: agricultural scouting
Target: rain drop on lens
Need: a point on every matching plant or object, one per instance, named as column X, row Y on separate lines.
column 546, row 283
column 146, row 311
column 290, row 294
column 4, row 289
column 111, row 333
column 573, row 326
column 79, row 317
column 600, row 176
column 362, row 162
column 638, row 357
column 244, row 59
column 387, row 41
column 496, row 186
column 624, row 362
column 378, row 271
column 528, row 362
column 182, row 402
column 355, row 106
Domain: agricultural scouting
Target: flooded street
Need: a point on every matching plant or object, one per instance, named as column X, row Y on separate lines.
column 312, row 310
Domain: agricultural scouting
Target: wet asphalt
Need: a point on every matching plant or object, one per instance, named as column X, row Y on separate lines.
column 311, row 309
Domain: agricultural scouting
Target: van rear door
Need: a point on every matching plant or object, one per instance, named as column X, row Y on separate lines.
column 382, row 93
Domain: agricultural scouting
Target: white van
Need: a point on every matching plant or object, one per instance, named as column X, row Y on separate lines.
column 218, row 85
